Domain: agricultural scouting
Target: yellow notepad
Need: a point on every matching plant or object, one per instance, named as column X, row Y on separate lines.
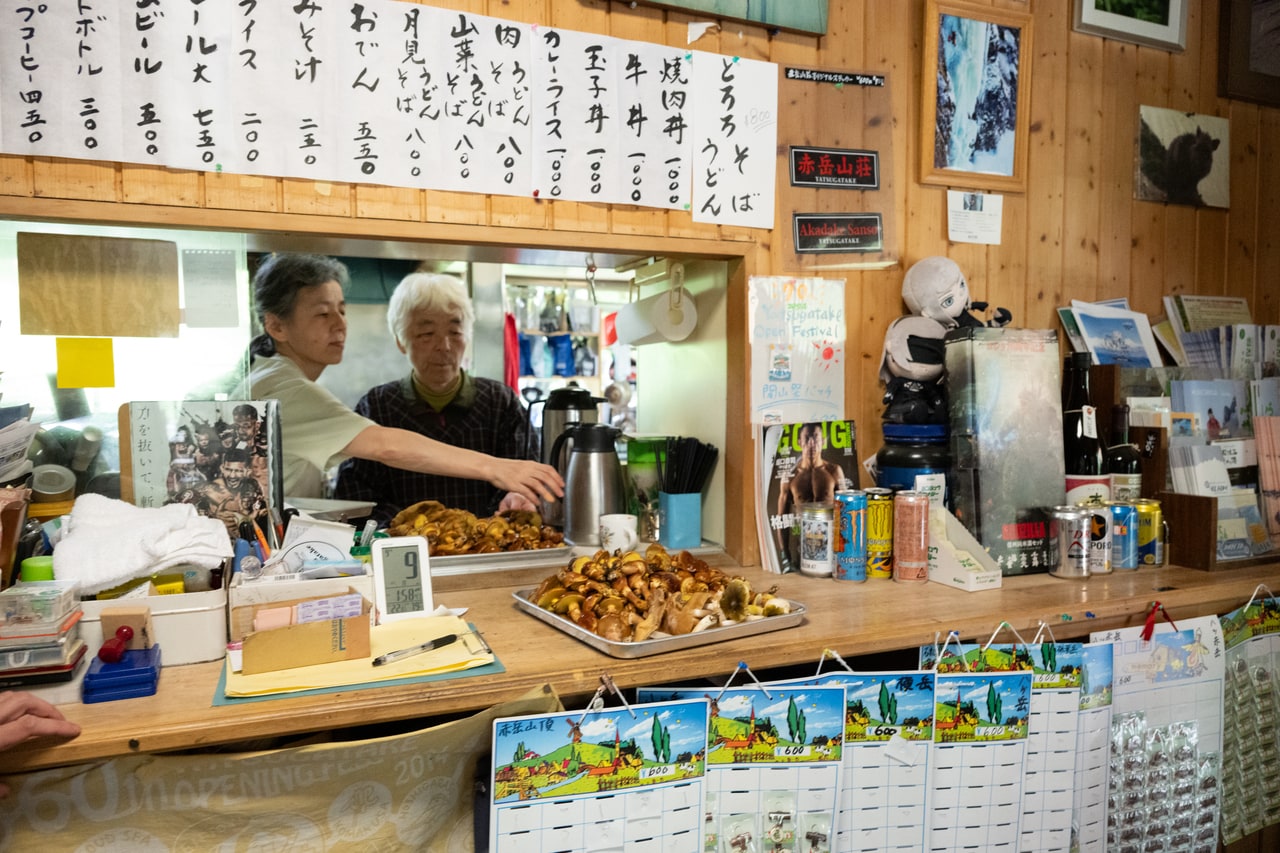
column 382, row 639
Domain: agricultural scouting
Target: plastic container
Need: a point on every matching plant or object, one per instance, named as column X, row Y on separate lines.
column 39, row 602
column 191, row 626
column 915, row 457
column 56, row 653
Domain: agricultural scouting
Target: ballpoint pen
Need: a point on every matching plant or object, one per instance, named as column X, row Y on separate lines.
column 391, row 657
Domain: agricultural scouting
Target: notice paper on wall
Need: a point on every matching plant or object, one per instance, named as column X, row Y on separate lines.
column 774, row 763
column 605, row 779
column 974, row 217
column 797, row 335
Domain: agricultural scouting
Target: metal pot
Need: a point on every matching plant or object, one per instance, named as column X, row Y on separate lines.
column 563, row 408
column 593, row 483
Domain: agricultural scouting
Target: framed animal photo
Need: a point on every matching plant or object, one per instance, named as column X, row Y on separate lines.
column 1182, row 158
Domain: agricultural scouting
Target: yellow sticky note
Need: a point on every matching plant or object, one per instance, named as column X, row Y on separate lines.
column 86, row 363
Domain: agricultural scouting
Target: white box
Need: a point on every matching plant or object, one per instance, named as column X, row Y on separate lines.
column 190, row 627
column 956, row 558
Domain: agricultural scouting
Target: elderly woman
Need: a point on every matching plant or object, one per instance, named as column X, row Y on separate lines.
column 431, row 319
column 299, row 300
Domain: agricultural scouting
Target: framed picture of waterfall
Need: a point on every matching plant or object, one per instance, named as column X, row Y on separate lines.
column 974, row 99
column 1154, row 23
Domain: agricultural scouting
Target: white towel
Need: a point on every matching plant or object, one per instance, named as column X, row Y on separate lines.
column 107, row 542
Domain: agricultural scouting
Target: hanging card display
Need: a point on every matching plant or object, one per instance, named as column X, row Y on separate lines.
column 980, row 745
column 1166, row 732
column 1049, row 769
column 773, row 765
column 605, row 779
column 888, row 735
column 1093, row 750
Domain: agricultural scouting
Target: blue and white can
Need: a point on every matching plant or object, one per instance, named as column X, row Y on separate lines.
column 851, row 535
column 1124, row 536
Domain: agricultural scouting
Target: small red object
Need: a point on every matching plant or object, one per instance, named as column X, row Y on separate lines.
column 113, row 650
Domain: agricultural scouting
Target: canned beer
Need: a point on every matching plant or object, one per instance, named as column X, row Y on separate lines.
column 1069, row 541
column 879, row 533
column 851, row 535
column 815, row 539
column 911, row 537
column 1099, row 537
column 1124, row 535
column 1150, row 532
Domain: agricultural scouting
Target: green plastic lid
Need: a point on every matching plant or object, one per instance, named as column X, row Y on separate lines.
column 37, row 568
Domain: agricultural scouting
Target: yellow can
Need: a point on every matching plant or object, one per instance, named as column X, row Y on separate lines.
column 879, row 533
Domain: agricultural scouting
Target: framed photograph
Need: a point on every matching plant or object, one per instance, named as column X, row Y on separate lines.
column 1249, row 51
column 1154, row 23
column 973, row 114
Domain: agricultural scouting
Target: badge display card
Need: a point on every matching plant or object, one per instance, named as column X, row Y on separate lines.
column 888, row 736
column 773, row 765
column 1250, row 751
column 600, row 780
column 980, row 745
column 1168, row 695
column 1093, row 749
column 1049, row 778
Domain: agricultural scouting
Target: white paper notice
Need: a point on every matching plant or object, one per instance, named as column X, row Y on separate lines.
column 974, row 217
column 735, row 154
column 797, row 338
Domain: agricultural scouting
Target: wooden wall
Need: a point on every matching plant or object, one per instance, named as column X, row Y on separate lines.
column 1075, row 233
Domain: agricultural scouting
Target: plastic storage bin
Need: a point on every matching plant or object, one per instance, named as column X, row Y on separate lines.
column 190, row 627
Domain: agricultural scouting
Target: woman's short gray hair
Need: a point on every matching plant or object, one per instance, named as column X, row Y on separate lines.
column 433, row 292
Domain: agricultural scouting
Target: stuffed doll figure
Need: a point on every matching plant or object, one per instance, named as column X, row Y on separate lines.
column 935, row 287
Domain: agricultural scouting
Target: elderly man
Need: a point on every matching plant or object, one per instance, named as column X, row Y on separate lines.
column 431, row 318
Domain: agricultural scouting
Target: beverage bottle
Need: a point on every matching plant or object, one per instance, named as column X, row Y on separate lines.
column 1122, row 461
column 1082, row 450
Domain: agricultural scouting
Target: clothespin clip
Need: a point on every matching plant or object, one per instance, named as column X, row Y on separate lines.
column 833, row 654
column 742, row 667
column 1149, row 627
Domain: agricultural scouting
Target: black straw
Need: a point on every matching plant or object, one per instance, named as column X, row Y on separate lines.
column 685, row 465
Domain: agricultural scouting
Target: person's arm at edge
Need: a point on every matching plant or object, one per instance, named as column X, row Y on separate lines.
column 24, row 716
column 401, row 448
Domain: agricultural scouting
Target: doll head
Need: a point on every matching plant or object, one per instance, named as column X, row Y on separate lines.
column 935, row 288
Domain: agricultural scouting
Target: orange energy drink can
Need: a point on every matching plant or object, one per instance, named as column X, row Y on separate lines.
column 879, row 533
column 1150, row 532
column 910, row 537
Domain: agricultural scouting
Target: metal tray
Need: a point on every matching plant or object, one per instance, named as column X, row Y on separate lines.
column 457, row 564
column 644, row 648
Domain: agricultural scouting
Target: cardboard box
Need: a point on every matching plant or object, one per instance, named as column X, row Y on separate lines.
column 264, row 590
column 300, row 645
column 189, row 627
column 1006, row 440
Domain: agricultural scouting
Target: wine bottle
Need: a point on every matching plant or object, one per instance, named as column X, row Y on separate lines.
column 1086, row 480
column 1122, row 462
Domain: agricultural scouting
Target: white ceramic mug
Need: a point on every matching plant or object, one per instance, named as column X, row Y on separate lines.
column 618, row 532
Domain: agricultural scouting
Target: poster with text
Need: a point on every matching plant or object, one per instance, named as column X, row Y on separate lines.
column 797, row 337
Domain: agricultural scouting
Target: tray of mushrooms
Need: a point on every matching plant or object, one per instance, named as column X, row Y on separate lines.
column 631, row 605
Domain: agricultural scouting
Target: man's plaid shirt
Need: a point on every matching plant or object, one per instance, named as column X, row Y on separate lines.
column 485, row 416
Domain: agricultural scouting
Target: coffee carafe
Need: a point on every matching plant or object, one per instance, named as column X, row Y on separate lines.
column 593, row 483
column 563, row 408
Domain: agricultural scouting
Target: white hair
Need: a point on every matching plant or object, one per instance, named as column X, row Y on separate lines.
column 434, row 292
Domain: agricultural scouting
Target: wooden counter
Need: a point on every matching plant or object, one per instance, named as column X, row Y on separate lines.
column 853, row 619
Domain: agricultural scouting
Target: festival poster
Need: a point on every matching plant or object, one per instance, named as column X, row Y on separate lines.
column 797, row 333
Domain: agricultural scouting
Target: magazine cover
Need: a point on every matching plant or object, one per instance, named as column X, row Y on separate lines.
column 802, row 463
column 221, row 456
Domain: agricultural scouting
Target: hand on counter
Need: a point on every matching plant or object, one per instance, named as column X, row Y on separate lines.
column 530, row 480
column 23, row 717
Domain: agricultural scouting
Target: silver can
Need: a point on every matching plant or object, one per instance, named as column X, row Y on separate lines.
column 1099, row 537
column 1069, row 541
